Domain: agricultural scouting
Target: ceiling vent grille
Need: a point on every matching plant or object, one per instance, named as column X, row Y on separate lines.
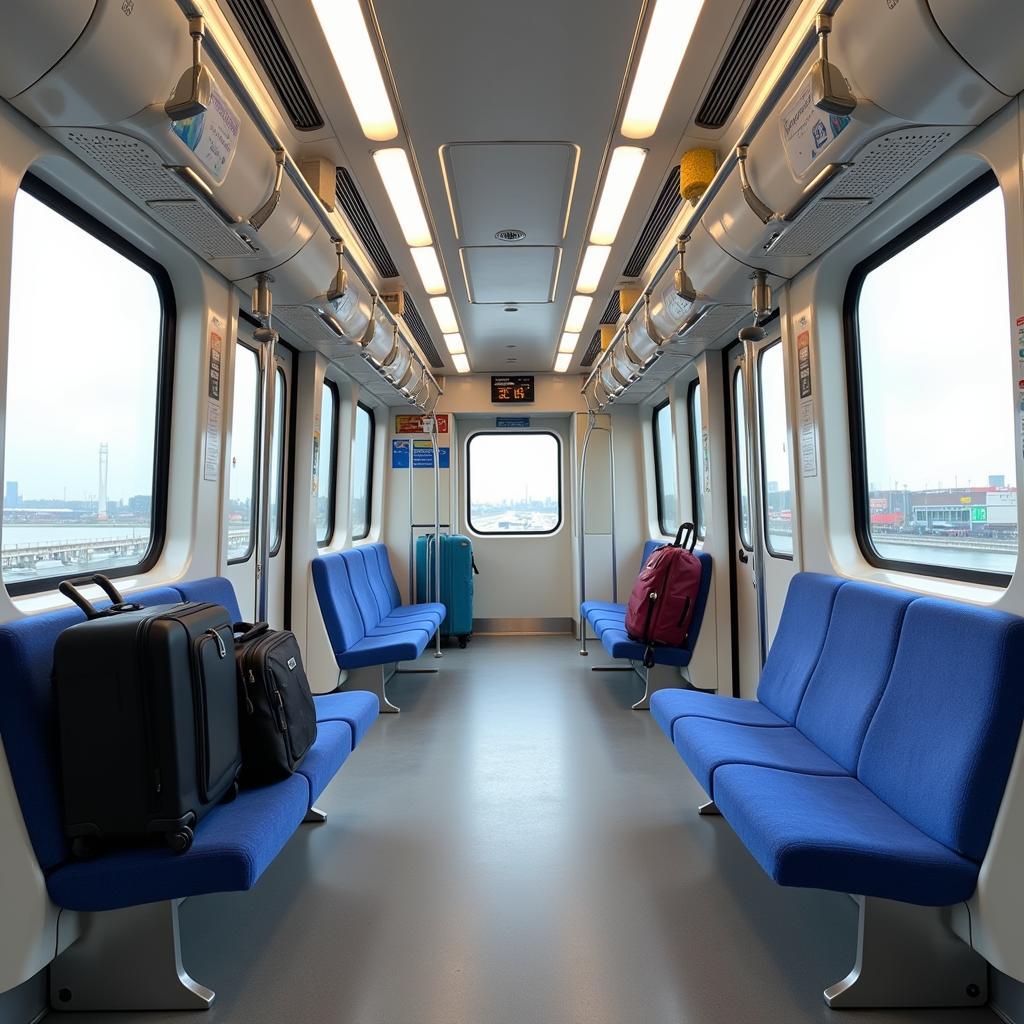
column 355, row 209
column 592, row 349
column 269, row 47
column 749, row 43
column 612, row 312
column 418, row 329
column 663, row 212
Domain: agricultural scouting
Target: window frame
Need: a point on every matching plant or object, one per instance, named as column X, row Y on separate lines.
column 62, row 205
column 332, row 478
column 696, row 444
column 658, row 495
column 979, row 187
column 781, row 555
column 369, row 471
column 281, row 388
column 742, row 465
column 254, row 508
column 469, row 485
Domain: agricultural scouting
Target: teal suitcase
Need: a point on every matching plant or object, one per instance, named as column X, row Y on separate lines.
column 457, row 568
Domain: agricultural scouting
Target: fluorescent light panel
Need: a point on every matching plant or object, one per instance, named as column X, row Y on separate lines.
column 454, row 343
column 568, row 343
column 395, row 172
column 429, row 267
column 578, row 310
column 347, row 37
column 594, row 260
column 461, row 363
column 562, row 362
column 444, row 312
column 623, row 170
column 668, row 37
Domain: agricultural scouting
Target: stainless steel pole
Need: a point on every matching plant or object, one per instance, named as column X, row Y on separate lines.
column 754, row 492
column 268, row 383
column 591, row 422
column 437, row 526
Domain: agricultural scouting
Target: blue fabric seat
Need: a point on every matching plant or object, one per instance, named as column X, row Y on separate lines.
column 668, row 706
column 608, row 621
column 234, row 843
column 362, row 610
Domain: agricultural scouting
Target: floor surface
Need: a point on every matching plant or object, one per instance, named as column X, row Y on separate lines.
column 519, row 847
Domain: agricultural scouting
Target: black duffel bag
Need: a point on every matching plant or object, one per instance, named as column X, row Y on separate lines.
column 277, row 718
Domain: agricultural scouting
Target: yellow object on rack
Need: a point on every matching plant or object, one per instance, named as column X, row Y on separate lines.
column 628, row 298
column 607, row 333
column 696, row 169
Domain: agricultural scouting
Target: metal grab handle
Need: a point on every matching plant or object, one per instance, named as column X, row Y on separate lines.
column 764, row 213
column 262, row 215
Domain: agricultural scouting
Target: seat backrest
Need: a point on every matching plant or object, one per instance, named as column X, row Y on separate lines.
column 851, row 674
column 380, row 590
column 362, row 589
column 337, row 602
column 386, row 575
column 798, row 642
column 939, row 747
column 702, row 600
column 28, row 719
column 214, row 589
column 650, row 547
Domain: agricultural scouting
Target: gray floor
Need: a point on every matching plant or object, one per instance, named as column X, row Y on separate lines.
column 519, row 847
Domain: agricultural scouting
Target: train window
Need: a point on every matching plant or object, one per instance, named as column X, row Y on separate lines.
column 514, row 483
column 931, row 398
column 742, row 466
column 776, row 490
column 326, row 463
column 245, row 420
column 362, row 473
column 697, row 457
column 88, row 399
column 666, row 484
column 277, row 463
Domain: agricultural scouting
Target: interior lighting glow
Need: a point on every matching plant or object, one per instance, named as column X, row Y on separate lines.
column 454, row 343
column 461, row 363
column 562, row 362
column 594, row 260
column 395, row 172
column 578, row 310
column 623, row 170
column 429, row 267
column 568, row 343
column 444, row 313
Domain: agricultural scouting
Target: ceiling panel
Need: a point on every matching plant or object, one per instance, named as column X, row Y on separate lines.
column 511, row 274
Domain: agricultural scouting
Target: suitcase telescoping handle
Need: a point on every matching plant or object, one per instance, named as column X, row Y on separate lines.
column 689, row 541
column 69, row 588
column 246, row 631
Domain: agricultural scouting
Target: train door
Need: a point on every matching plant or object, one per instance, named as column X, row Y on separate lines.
column 762, row 476
column 241, row 499
column 515, row 503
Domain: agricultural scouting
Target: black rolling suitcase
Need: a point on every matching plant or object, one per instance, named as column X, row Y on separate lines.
column 147, row 705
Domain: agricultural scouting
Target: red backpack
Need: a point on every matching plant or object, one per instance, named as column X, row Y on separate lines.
column 664, row 596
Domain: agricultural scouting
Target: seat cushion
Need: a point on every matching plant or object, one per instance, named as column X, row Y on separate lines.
column 798, row 642
column 669, row 705
column 618, row 644
column 234, row 844
column 705, row 745
column 382, row 650
column 356, row 707
column 832, row 832
column 589, row 607
column 323, row 759
column 398, row 623
column 214, row 589
column 418, row 611
column 939, row 747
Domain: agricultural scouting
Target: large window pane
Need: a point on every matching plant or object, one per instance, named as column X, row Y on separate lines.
column 742, row 466
column 327, row 469
column 277, row 463
column 697, row 457
column 939, row 466
column 362, row 473
column 245, row 417
column 665, row 476
column 514, row 483
column 83, row 393
column 778, row 495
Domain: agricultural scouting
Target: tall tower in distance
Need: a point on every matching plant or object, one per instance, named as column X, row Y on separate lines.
column 101, row 499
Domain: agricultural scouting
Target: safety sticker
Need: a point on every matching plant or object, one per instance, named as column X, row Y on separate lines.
column 807, row 131
column 705, row 447
column 417, row 424
column 212, row 135
column 807, row 428
column 211, row 450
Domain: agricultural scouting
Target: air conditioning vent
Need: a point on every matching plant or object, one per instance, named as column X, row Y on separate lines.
column 592, row 350
column 754, row 34
column 263, row 36
column 664, row 210
column 355, row 209
column 612, row 311
column 418, row 330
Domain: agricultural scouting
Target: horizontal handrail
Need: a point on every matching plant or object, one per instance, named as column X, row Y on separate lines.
column 785, row 79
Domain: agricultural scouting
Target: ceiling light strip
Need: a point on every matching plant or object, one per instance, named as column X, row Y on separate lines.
column 396, row 174
column 620, row 181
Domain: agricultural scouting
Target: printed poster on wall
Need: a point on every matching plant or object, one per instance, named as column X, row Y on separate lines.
column 212, row 135
column 807, row 428
column 211, row 438
column 807, row 131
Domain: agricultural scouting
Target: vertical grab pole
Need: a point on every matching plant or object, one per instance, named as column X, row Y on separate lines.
column 591, row 423
column 615, row 561
column 412, row 533
column 753, row 475
column 266, row 336
column 437, row 525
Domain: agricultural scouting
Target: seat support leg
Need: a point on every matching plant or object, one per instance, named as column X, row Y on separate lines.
column 127, row 960
column 386, row 706
column 709, row 810
column 314, row 816
column 908, row 956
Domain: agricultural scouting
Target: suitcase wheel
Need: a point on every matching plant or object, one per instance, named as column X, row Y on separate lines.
column 181, row 840
column 463, row 640
column 85, row 847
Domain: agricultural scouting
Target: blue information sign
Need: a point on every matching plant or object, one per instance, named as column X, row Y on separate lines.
column 513, row 422
column 399, row 454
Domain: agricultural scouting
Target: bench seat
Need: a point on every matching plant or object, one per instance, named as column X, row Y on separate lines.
column 357, row 708
column 668, row 706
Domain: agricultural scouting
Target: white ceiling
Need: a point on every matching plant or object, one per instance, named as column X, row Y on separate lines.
column 515, row 104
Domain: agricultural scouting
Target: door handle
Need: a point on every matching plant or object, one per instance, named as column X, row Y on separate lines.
column 744, row 558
